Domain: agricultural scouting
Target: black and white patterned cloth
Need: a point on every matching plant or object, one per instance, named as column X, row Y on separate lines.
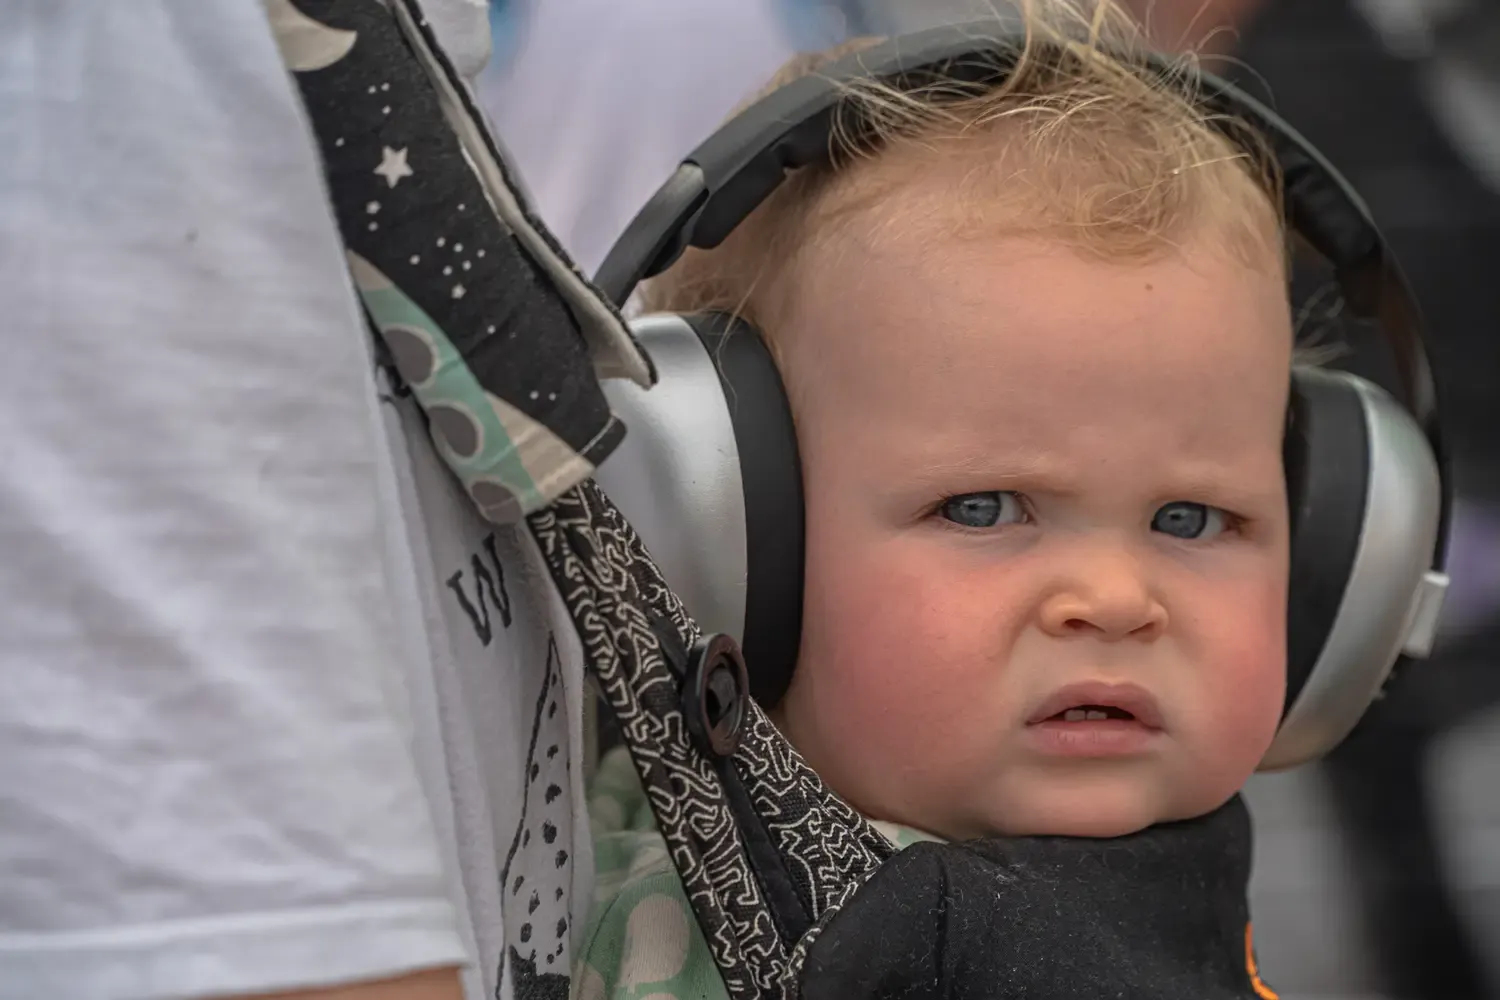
column 477, row 309
column 764, row 848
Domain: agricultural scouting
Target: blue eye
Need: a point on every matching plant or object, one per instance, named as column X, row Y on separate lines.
column 1189, row 520
column 983, row 510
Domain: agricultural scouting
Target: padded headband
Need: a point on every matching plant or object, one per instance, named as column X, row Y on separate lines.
column 738, row 167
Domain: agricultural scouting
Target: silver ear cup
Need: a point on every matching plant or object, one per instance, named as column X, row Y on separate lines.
column 1392, row 598
column 676, row 475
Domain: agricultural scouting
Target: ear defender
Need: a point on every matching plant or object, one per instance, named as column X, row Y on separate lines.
column 1365, row 496
column 711, row 478
column 710, row 475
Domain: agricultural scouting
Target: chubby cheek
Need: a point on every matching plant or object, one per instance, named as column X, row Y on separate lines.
column 1238, row 703
column 895, row 678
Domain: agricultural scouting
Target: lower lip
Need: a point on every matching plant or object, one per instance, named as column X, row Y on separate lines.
column 1097, row 738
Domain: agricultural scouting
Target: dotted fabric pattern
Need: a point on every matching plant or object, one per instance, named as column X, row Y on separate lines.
column 488, row 340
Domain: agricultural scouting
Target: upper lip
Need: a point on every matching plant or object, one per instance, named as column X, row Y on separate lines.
column 1131, row 698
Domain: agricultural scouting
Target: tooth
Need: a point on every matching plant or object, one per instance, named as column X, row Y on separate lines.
column 1075, row 715
column 1094, row 716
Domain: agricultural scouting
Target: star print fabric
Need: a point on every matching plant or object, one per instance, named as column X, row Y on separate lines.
column 498, row 338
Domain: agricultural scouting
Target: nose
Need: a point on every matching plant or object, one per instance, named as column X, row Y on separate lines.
column 1106, row 595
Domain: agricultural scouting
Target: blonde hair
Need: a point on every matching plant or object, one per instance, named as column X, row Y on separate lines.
column 1084, row 142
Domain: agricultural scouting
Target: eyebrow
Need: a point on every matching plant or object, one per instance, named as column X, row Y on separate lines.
column 981, row 467
column 1200, row 481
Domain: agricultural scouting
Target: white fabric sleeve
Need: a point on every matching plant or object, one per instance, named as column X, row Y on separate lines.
column 206, row 775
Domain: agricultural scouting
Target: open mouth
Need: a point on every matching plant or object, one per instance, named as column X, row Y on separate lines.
column 1092, row 713
column 1096, row 719
column 1101, row 703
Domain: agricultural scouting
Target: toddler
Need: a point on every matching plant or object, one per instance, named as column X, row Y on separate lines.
column 1037, row 342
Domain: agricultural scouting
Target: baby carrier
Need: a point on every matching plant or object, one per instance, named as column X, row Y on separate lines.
column 674, row 581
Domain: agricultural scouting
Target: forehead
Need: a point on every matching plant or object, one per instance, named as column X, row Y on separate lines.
column 1022, row 339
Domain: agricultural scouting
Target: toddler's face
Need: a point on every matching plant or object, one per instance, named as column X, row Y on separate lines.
column 1046, row 531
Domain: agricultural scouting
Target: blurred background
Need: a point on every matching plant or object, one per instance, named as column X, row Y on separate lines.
column 1378, row 870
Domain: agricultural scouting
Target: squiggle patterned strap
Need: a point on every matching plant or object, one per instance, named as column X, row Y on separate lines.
column 633, row 628
column 831, row 844
column 591, row 559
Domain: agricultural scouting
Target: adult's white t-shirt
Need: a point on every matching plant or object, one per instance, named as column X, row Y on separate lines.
column 277, row 710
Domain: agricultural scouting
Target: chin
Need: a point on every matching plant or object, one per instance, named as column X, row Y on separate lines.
column 1114, row 809
column 1097, row 824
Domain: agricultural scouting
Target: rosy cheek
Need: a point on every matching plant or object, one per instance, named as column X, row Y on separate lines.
column 906, row 656
column 1250, row 721
column 871, row 648
column 1248, row 697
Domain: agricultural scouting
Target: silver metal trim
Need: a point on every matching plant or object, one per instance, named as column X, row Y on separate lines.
column 1427, row 614
column 1389, row 596
column 676, row 475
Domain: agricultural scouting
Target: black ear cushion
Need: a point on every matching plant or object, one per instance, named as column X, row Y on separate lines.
column 771, row 473
column 1327, row 456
